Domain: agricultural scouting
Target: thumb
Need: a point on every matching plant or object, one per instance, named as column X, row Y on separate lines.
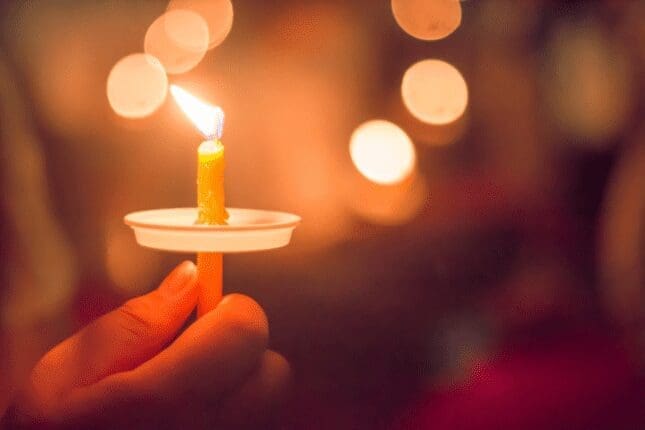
column 118, row 341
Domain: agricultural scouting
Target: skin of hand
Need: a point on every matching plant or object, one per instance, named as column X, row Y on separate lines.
column 135, row 368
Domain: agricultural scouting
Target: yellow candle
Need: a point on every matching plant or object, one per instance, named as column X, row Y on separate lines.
column 210, row 183
column 210, row 202
column 210, row 191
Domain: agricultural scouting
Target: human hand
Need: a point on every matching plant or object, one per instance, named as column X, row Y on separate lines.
column 135, row 368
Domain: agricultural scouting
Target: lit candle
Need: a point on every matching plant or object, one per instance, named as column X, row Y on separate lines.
column 210, row 190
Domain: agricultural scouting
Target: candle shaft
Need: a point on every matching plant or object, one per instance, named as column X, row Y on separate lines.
column 210, row 267
column 210, row 202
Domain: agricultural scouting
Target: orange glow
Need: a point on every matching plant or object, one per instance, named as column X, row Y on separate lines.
column 137, row 86
column 131, row 268
column 208, row 119
column 388, row 204
column 218, row 14
column 179, row 39
column 382, row 152
column 434, row 92
column 427, row 19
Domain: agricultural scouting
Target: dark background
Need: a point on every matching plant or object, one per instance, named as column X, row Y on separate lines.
column 501, row 288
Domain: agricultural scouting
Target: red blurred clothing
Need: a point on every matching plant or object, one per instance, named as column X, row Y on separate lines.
column 577, row 381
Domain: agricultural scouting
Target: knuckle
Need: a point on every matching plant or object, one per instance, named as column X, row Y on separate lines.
column 137, row 319
column 279, row 373
column 249, row 330
column 278, row 370
column 278, row 363
column 248, row 321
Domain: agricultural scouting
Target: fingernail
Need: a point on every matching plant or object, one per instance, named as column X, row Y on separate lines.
column 179, row 278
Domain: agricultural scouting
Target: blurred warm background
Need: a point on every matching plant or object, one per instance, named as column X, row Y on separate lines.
column 472, row 189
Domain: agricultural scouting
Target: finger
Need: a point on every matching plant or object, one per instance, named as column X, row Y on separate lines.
column 213, row 354
column 257, row 401
column 207, row 360
column 119, row 340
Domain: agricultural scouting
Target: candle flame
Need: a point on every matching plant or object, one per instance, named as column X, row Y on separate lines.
column 208, row 119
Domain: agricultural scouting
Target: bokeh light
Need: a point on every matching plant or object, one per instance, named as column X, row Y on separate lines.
column 423, row 133
column 589, row 82
column 179, row 39
column 218, row 14
column 427, row 19
column 137, row 85
column 434, row 92
column 382, row 152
